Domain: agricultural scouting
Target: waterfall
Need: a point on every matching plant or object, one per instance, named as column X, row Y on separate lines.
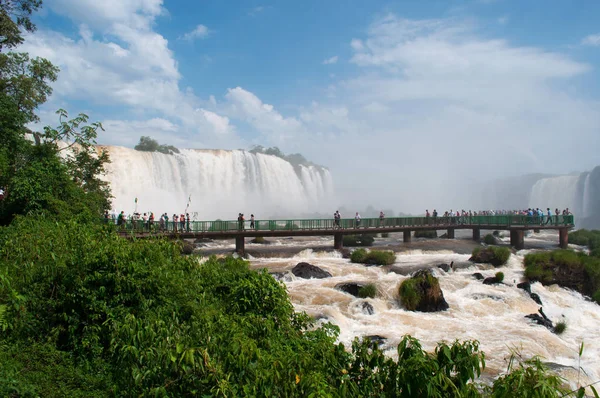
column 555, row 192
column 221, row 184
column 587, row 196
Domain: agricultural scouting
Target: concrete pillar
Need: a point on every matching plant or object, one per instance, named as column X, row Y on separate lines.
column 517, row 239
column 450, row 233
column 338, row 241
column 406, row 236
column 476, row 234
column 239, row 245
column 563, row 238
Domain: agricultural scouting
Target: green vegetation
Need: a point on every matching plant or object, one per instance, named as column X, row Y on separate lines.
column 560, row 327
column 573, row 270
column 368, row 291
column 373, row 257
column 494, row 255
column 259, row 239
column 584, row 237
column 425, row 234
column 499, row 277
column 295, row 159
column 409, row 295
column 489, row 239
column 530, row 379
column 147, row 144
column 358, row 240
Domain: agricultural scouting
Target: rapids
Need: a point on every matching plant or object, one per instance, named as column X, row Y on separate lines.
column 493, row 315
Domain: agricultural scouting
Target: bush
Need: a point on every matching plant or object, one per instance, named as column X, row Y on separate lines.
column 573, row 270
column 358, row 240
column 494, row 255
column 409, row 295
column 373, row 257
column 499, row 277
column 489, row 239
column 584, row 237
column 259, row 239
column 367, row 291
column 425, row 234
column 560, row 327
column 385, row 234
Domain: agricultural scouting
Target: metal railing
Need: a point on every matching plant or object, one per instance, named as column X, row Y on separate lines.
column 485, row 222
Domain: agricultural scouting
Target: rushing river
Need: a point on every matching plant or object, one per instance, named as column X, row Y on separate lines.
column 492, row 314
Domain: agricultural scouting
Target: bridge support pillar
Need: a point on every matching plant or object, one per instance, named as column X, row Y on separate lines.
column 450, row 233
column 338, row 241
column 476, row 234
column 563, row 238
column 406, row 236
column 240, row 245
column 517, row 239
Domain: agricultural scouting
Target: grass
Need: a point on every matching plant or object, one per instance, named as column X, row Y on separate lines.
column 584, row 237
column 410, row 290
column 560, row 327
column 496, row 256
column 373, row 257
column 368, row 291
column 489, row 239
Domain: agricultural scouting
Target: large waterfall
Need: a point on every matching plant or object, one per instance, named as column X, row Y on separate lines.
column 216, row 183
column 556, row 192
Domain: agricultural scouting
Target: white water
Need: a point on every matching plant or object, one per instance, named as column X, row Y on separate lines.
column 493, row 315
column 221, row 184
column 587, row 196
column 555, row 192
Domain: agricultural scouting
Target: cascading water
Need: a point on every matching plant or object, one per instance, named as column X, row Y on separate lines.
column 555, row 192
column 220, row 183
column 587, row 196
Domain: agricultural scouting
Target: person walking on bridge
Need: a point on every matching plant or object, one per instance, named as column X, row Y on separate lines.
column 357, row 220
column 252, row 221
column 381, row 217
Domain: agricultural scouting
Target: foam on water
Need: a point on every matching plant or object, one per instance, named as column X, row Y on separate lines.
column 492, row 314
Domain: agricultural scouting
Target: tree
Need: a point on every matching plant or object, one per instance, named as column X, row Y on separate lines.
column 15, row 14
column 148, row 144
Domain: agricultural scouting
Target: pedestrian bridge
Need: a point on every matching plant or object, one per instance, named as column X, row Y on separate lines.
column 516, row 224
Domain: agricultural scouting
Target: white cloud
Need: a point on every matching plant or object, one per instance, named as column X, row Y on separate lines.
column 199, row 32
column 331, row 60
column 591, row 40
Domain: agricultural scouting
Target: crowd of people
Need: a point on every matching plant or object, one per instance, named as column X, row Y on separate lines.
column 146, row 222
column 535, row 216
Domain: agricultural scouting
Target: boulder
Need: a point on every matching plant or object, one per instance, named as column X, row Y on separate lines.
column 496, row 256
column 260, row 240
column 478, row 276
column 345, row 252
column 376, row 339
column 308, row 271
column 525, row 286
column 368, row 308
column 350, row 288
column 446, row 267
column 492, row 280
column 535, row 297
column 422, row 293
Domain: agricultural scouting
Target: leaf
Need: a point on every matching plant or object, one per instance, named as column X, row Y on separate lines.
column 581, row 349
column 594, row 391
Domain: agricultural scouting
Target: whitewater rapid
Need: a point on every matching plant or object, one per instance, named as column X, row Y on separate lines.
column 215, row 183
column 492, row 314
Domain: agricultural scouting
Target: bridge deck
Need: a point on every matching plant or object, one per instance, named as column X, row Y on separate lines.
column 315, row 227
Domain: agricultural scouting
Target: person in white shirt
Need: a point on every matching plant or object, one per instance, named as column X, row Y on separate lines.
column 357, row 219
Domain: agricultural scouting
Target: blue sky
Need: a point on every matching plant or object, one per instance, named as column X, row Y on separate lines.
column 365, row 88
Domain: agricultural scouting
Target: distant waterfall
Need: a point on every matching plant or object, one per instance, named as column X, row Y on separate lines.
column 556, row 192
column 587, row 196
column 221, row 184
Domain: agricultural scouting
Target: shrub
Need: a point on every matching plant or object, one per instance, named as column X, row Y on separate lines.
column 358, row 240
column 560, row 327
column 385, row 234
column 259, row 239
column 584, row 237
column 431, row 234
column 489, row 239
column 373, row 257
column 499, row 277
column 494, row 255
column 409, row 295
column 369, row 290
column 358, row 255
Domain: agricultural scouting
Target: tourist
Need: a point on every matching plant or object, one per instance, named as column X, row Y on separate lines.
column 336, row 218
column 121, row 219
column 161, row 223
column 151, row 222
column 435, row 214
column 240, row 221
column 357, row 220
column 182, row 223
column 251, row 221
column 549, row 215
column 175, row 221
column 381, row 217
column 187, row 220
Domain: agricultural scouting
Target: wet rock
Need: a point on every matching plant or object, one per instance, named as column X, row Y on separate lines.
column 260, row 240
column 308, row 271
column 187, row 247
column 350, row 288
column 446, row 267
column 368, row 308
column 345, row 252
column 422, row 292
column 203, row 240
column 496, row 256
column 487, row 296
column 376, row 339
column 525, row 286
column 492, row 280
column 444, row 236
column 541, row 319
column 478, row 276
column 281, row 276
column 535, row 297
